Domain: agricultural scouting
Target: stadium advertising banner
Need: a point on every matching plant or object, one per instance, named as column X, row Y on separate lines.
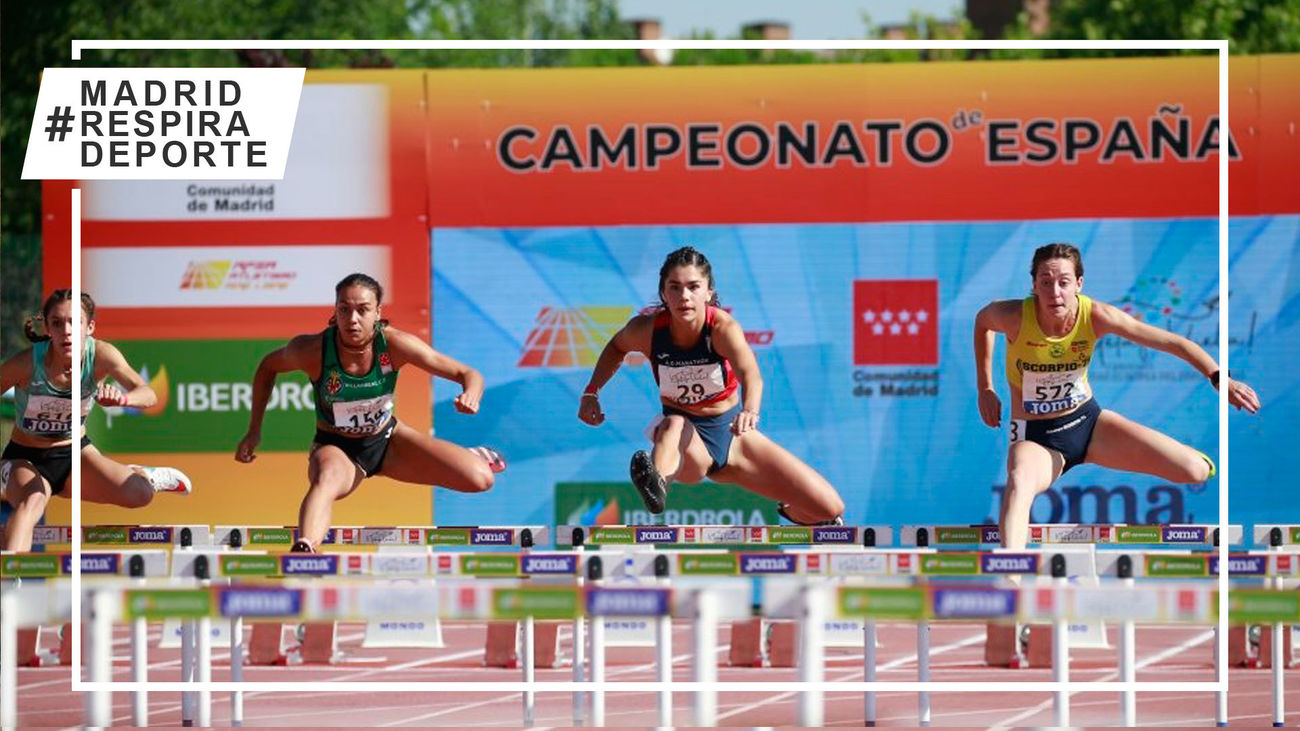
column 857, row 217
column 197, row 280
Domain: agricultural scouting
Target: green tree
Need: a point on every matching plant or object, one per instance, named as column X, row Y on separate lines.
column 1250, row 26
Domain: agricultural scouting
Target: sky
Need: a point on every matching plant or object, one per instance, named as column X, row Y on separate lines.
column 811, row 19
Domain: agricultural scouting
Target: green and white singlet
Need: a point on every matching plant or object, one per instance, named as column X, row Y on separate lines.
column 357, row 406
column 46, row 411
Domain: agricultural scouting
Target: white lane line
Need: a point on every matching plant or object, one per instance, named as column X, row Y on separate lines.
column 1163, row 654
column 897, row 662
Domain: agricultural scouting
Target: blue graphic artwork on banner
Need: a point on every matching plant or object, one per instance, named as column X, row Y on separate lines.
column 863, row 333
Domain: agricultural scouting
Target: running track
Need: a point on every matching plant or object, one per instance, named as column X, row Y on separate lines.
column 1165, row 654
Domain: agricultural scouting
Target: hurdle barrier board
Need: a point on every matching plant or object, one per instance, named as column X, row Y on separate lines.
column 469, row 536
column 515, row 599
column 117, row 535
column 271, row 536
column 566, row 536
column 257, row 564
column 1276, row 535
column 722, row 535
column 634, row 565
column 148, row 562
column 1059, row 533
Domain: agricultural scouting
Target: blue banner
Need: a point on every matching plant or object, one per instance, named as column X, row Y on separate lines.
column 863, row 333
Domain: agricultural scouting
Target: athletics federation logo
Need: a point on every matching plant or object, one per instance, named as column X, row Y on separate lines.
column 571, row 337
column 205, row 274
column 896, row 322
column 237, row 274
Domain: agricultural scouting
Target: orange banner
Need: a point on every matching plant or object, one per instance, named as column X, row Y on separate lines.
column 884, row 142
column 386, row 176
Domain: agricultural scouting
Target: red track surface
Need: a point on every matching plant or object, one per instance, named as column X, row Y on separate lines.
column 1165, row 654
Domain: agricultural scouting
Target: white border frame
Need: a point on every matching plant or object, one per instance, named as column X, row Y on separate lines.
column 1221, row 682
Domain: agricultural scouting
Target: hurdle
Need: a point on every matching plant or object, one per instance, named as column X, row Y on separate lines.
column 704, row 600
column 454, row 600
column 318, row 642
column 1177, row 535
column 749, row 640
column 177, row 536
column 767, row 560
column 254, row 536
column 668, row 536
column 134, row 563
column 1277, row 535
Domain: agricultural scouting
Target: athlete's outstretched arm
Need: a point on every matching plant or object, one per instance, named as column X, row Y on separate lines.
column 296, row 355
column 1107, row 319
column 729, row 341
column 408, row 348
column 635, row 336
column 995, row 317
column 109, row 361
column 14, row 372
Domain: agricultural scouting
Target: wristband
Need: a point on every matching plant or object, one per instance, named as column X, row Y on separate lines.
column 1214, row 378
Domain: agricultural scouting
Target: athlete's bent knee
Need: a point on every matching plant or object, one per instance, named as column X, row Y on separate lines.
column 136, row 492
column 824, row 508
column 832, row 507
column 1021, row 482
column 33, row 502
column 672, row 425
column 329, row 482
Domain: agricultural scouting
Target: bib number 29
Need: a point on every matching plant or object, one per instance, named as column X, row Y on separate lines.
column 690, row 392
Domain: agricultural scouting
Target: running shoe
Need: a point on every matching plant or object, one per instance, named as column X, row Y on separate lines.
column 492, row 457
column 651, row 485
column 1213, row 469
column 301, row 546
column 166, row 479
column 780, row 509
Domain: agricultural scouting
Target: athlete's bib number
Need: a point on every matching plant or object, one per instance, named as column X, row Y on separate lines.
column 1018, row 427
column 48, row 416
column 1048, row 393
column 690, row 384
column 363, row 417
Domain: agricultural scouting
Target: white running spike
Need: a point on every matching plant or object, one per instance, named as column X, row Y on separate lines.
column 166, row 479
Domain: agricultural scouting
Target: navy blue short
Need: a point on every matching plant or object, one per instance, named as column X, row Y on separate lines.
column 1069, row 434
column 715, row 431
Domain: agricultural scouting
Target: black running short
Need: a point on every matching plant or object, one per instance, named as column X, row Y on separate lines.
column 53, row 463
column 366, row 452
